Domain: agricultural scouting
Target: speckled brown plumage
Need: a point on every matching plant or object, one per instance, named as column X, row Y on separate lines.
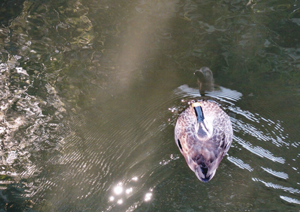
column 204, row 144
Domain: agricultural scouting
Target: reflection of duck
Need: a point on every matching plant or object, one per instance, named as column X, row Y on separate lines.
column 203, row 134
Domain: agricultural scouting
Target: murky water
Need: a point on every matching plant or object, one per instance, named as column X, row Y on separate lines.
column 90, row 92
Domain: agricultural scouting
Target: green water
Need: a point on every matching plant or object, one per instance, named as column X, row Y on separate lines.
column 90, row 92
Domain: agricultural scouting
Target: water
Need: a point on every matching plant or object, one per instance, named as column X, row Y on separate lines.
column 90, row 92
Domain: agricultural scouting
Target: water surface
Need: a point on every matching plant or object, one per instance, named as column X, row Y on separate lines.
column 91, row 90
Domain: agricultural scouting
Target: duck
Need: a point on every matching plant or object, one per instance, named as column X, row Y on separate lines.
column 205, row 80
column 203, row 134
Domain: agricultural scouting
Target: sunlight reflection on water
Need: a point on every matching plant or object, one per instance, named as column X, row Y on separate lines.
column 121, row 192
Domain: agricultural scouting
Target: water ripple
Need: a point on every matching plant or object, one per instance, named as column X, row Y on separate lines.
column 281, row 175
column 240, row 163
column 220, row 93
column 280, row 187
column 259, row 151
column 290, row 200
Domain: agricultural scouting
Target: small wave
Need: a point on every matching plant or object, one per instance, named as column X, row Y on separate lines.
column 281, row 175
column 221, row 93
column 276, row 186
column 290, row 200
column 240, row 163
column 259, row 151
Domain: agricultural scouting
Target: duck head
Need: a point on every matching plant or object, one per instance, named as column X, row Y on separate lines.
column 205, row 79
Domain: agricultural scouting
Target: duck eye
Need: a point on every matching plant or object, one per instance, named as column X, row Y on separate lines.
column 179, row 144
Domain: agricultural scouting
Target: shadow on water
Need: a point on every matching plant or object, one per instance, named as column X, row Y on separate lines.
column 91, row 90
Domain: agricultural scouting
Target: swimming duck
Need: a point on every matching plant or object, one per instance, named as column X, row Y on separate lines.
column 205, row 80
column 203, row 134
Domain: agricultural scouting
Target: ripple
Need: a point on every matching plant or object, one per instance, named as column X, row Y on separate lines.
column 172, row 157
column 220, row 93
column 240, row 163
column 281, row 175
column 259, row 151
column 276, row 186
column 290, row 200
